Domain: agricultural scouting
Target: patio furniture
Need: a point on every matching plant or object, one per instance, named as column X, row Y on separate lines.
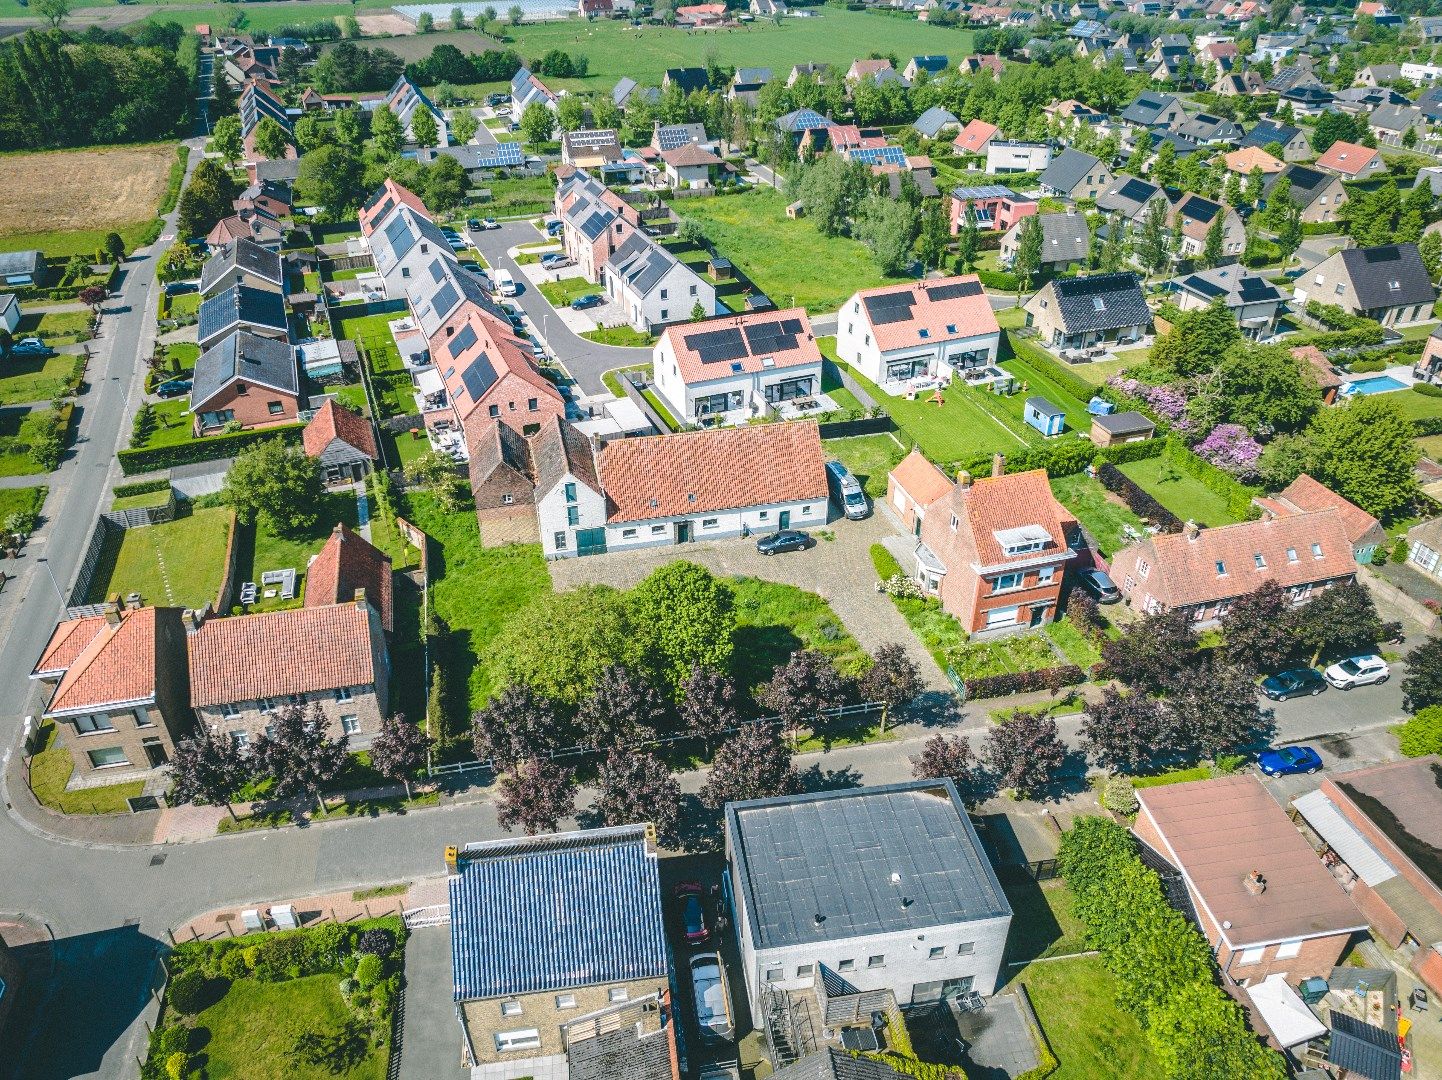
column 248, row 592
column 971, row 1001
column 283, row 578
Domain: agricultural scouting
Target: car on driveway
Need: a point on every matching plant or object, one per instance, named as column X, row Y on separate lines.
column 712, row 997
column 173, row 388
column 1100, row 585
column 693, row 915
column 490, row 223
column 554, row 260
column 1357, row 671
column 1294, row 683
column 785, row 540
column 1289, row 761
column 581, row 303
column 31, row 347
column 473, row 224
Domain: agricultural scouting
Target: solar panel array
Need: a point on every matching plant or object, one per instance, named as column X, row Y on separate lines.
column 1254, row 289
column 953, row 290
column 674, row 136
column 889, row 308
column 438, row 271
column 1136, row 190
column 717, row 346
column 1202, row 285
column 988, row 191
column 398, row 230
column 803, row 119
column 880, row 155
column 479, row 377
column 772, row 337
column 500, row 155
column 444, row 299
column 1199, row 208
column 461, row 342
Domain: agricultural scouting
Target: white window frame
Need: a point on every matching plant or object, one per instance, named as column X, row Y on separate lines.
column 565, row 1001
column 1288, row 950
column 520, row 1039
column 350, row 724
column 510, row 1007
column 1251, row 955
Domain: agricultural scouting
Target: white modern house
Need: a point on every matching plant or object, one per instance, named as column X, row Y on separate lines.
column 746, row 365
column 406, row 100
column 886, row 888
column 1017, row 157
column 923, row 329
column 652, row 287
column 404, row 248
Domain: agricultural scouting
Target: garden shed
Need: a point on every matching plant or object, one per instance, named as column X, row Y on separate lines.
column 1044, row 416
column 1122, row 427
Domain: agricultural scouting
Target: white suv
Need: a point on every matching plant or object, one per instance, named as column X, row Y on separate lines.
column 1357, row 671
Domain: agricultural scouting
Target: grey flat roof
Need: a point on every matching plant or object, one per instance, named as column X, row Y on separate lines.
column 869, row 861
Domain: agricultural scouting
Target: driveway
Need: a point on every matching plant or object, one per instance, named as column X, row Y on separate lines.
column 430, row 1034
column 584, row 359
column 839, row 570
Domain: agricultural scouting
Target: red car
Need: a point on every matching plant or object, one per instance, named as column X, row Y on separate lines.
column 692, row 914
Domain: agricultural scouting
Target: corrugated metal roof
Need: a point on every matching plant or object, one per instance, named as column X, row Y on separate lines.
column 555, row 912
column 1355, row 850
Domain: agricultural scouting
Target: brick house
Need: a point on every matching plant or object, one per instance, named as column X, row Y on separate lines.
column 343, row 443
column 995, row 207
column 1306, row 496
column 256, row 311
column 119, row 685
column 1351, row 161
column 244, row 667
column 914, row 485
column 1389, row 283
column 1082, row 312
column 595, row 222
column 1262, row 897
column 349, row 565
column 994, row 551
column 502, row 471
column 489, row 376
column 387, row 198
column 245, row 379
column 1193, row 215
column 1201, row 571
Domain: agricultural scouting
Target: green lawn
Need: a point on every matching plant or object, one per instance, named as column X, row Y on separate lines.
column 1075, row 646
column 145, row 499
column 19, row 430
column 179, row 563
column 182, row 356
column 1036, row 381
column 938, row 631
column 1042, row 920
column 56, row 327
column 786, row 258
column 1431, row 446
column 186, row 305
column 254, row 1027
column 654, row 400
column 869, row 457
column 50, row 771
column 173, row 424
column 1183, row 495
column 26, row 500
column 1075, row 1002
column 774, row 620
column 1095, row 509
column 1102, row 370
column 63, row 243
column 624, row 336
column 832, row 388
column 521, row 196
column 1415, row 406
column 1022, row 652
column 262, row 549
column 29, row 378
column 561, row 293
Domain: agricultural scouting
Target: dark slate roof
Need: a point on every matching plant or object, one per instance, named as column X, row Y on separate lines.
column 1147, row 107
column 835, row 853
column 622, row 90
column 556, row 912
column 1100, row 302
column 623, row 1054
column 244, row 255
column 1430, row 102
column 1236, row 285
column 801, row 120
column 834, row 1064
column 930, row 123
column 499, row 155
column 240, row 306
column 1067, row 169
column 689, row 79
column 21, row 262
column 1388, row 276
column 1129, row 195
column 1363, row 1049
column 1307, row 184
column 1266, row 132
column 249, row 359
column 1124, row 423
column 1064, row 237
column 641, row 262
column 559, row 449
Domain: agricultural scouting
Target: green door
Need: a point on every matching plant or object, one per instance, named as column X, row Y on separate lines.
column 590, row 541
column 786, row 519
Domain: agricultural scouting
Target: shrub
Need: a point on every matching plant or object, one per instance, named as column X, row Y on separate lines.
column 176, row 1066
column 281, row 958
column 1022, row 682
column 187, row 992
column 1364, row 367
column 1118, row 795
column 377, row 942
column 1426, row 389
column 232, row 965
column 1422, row 734
column 143, row 487
column 368, row 972
column 899, row 585
column 211, row 448
column 886, row 565
column 172, row 1040
column 251, row 955
column 1137, row 499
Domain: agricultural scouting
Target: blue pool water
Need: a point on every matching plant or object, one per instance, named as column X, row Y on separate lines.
column 1375, row 384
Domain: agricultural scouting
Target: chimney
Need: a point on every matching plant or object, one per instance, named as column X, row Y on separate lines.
column 360, row 598
column 192, row 620
column 1268, row 514
column 963, row 479
column 998, row 464
column 1192, row 529
column 132, row 601
column 1255, row 883
column 112, row 613
column 452, row 858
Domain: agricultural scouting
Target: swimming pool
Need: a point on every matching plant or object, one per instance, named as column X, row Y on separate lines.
column 1374, row 384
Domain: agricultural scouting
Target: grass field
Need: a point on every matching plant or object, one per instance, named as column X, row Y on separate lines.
column 1183, row 495
column 1036, row 381
column 179, row 563
column 55, row 327
column 561, row 293
column 774, row 620
column 173, row 424
column 1041, row 916
column 255, row 1025
column 1415, row 406
column 50, row 771
column 624, row 336
column 786, row 258
column 1075, row 1002
column 262, row 549
column 26, row 500
column 869, row 457
column 64, row 202
column 29, row 378
column 1101, row 517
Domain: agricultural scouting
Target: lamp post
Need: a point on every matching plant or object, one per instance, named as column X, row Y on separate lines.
column 43, row 561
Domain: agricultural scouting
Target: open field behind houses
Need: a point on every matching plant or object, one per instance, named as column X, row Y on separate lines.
column 81, row 193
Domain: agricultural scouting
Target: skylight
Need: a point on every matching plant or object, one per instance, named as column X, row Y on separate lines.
column 1098, row 303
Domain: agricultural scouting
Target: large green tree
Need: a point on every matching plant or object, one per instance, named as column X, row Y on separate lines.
column 1197, row 341
column 1364, row 451
column 387, row 135
column 538, row 123
column 206, row 199
column 270, row 138
column 330, row 176
column 1264, row 388
column 424, row 129
column 689, row 616
column 277, row 483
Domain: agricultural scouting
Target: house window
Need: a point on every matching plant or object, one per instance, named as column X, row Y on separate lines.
column 953, row 523
column 510, row 1008
column 663, row 293
column 1045, row 575
column 349, row 724
column 876, row 961
column 710, row 523
column 559, row 541
column 565, row 1001
column 966, row 948
column 1143, row 567
column 1288, row 949
column 573, row 515
column 1316, row 551
column 275, row 408
column 805, row 971
column 1340, row 289
column 773, row 975
column 1251, row 956
column 628, row 534
column 494, row 410
column 937, row 952
column 229, row 708
column 693, row 290
column 867, row 339
column 524, row 1039
column 533, row 404
column 1260, row 561
column 89, row 724
column 846, row 965
column 657, row 530
column 342, row 693
column 1221, row 568
column 1001, row 617
column 506, row 500
column 1007, row 582
column 1291, row 554
column 570, row 491
column 107, row 757
column 665, row 314
column 241, row 739
column 765, row 514
column 142, row 718
column 1301, row 592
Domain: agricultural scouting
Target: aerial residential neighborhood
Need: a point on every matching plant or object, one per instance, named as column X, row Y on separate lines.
column 633, row 541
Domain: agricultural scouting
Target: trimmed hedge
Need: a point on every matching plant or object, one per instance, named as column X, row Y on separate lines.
column 141, row 487
column 1000, row 280
column 1238, row 495
column 1427, row 389
column 1022, row 682
column 212, row 448
column 1061, row 459
column 885, row 562
column 1137, row 499
column 1427, row 425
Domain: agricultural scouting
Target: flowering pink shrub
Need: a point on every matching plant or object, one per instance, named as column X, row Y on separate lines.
column 1232, row 448
column 1168, row 402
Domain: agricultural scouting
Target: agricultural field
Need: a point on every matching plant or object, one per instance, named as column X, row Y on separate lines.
column 64, row 202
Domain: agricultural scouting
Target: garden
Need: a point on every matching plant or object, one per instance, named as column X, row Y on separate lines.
column 56, row 327
column 291, row 1005
column 28, row 379
column 390, row 382
column 261, row 548
column 870, row 458
column 50, row 770
column 178, row 563
column 1106, row 518
column 32, row 441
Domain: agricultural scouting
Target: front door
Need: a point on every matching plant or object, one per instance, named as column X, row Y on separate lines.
column 785, row 519
column 155, row 753
column 683, row 532
column 1038, row 615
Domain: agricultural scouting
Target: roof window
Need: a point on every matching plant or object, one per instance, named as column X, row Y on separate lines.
column 1098, row 303
column 1221, row 568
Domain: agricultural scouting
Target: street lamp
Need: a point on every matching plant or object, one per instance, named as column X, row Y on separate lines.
column 43, row 561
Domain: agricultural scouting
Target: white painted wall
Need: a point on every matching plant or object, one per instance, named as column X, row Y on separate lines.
column 647, row 312
column 856, row 346
column 1004, row 157
column 657, row 532
column 681, row 398
column 552, row 517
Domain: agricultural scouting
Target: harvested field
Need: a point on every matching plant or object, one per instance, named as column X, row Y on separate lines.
column 63, row 190
column 387, row 25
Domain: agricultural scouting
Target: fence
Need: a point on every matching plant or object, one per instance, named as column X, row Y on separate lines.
column 842, row 429
column 461, row 767
column 94, row 552
column 435, row 915
column 143, row 515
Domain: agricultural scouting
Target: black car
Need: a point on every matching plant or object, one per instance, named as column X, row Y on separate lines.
column 173, row 388
column 785, row 540
column 1294, row 683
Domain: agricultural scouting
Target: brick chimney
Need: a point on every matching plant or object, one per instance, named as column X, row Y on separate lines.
column 112, row 613
column 192, row 620
column 963, row 479
column 998, row 464
column 1192, row 530
column 360, row 598
column 1255, row 883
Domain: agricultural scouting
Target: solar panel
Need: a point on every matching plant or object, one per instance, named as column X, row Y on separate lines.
column 889, row 308
column 769, row 337
column 1136, row 190
column 1253, row 289
column 953, row 290
column 501, row 154
column 398, row 230
column 479, row 377
column 461, row 342
column 989, row 191
column 445, row 298
column 880, row 155
column 386, row 208
column 1202, row 285
column 715, row 346
column 438, row 271
column 1199, row 208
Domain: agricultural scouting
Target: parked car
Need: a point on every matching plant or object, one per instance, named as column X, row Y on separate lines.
column 474, row 224
column 490, row 223
column 1357, row 671
column 31, row 347
column 693, row 916
column 505, row 284
column 713, row 997
column 175, row 288
column 846, row 490
column 581, row 303
column 1294, row 683
column 554, row 260
column 1100, row 584
column 173, row 388
column 1289, row 760
column 785, row 540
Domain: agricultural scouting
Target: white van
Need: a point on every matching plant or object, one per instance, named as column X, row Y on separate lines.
column 505, row 284
column 846, row 490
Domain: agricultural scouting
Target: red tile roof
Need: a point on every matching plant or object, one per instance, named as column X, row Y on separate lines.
column 115, row 667
column 920, row 479
column 295, row 651
column 1346, row 158
column 693, row 369
column 502, row 349
column 688, row 156
column 1305, row 495
column 1243, row 161
column 993, row 504
column 1322, row 369
column 332, row 422
column 702, row 471
column 974, row 137
column 388, row 199
column 1218, row 831
column 346, row 563
column 942, row 320
column 861, row 68
column 66, row 643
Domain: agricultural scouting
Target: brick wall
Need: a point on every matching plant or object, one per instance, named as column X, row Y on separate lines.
column 252, row 408
column 1383, row 919
column 1377, row 839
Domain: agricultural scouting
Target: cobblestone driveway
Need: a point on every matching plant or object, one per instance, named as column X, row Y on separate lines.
column 838, row 570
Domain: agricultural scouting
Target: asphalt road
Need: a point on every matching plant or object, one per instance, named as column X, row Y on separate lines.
column 584, row 359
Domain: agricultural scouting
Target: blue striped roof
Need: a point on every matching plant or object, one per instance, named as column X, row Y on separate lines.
column 879, row 155
column 551, row 913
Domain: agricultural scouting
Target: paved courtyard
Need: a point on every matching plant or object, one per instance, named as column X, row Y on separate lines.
column 839, row 570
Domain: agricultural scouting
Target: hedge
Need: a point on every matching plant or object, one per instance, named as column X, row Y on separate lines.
column 999, row 280
column 1427, row 389
column 1359, row 337
column 1137, row 499
column 1427, row 425
column 1238, row 495
column 885, row 562
column 1060, row 374
column 1060, row 459
column 1366, row 367
column 1022, row 682
column 140, row 487
column 212, row 448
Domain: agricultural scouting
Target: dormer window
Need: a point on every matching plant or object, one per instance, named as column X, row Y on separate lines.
column 1291, row 554
column 951, row 328
column 1394, row 286
column 1098, row 303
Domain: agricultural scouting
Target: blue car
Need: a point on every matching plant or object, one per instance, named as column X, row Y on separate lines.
column 1289, row 761
column 581, row 303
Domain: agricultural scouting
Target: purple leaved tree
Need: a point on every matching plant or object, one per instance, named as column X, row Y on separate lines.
column 516, row 726
column 754, row 763
column 708, row 705
column 892, row 680
column 639, row 787
column 947, row 757
column 802, row 689
column 1025, row 751
column 400, row 750
column 1123, row 731
column 298, row 755
column 207, row 770
column 623, row 708
column 537, row 796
